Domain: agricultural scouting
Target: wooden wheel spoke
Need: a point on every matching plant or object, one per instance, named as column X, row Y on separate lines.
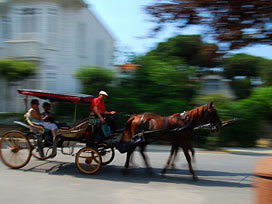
column 8, row 141
column 12, row 140
column 88, row 160
column 8, row 145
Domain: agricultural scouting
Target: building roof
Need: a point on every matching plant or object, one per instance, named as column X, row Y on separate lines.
column 128, row 66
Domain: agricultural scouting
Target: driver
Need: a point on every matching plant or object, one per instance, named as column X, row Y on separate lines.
column 99, row 110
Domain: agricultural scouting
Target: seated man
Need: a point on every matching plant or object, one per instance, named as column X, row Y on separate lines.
column 34, row 116
column 99, row 110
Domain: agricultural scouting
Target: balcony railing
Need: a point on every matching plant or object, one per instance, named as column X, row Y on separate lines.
column 24, row 49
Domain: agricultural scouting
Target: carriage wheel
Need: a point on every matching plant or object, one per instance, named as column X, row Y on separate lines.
column 15, row 149
column 88, row 160
column 47, row 150
column 107, row 153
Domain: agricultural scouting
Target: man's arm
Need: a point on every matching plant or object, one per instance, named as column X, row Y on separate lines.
column 110, row 113
column 97, row 113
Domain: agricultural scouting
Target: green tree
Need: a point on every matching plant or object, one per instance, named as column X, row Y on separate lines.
column 241, row 65
column 16, row 70
column 157, row 82
column 248, row 66
column 265, row 72
column 250, row 113
column 189, row 48
column 94, row 79
column 241, row 87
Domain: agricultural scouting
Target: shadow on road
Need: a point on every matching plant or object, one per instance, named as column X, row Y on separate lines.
column 141, row 175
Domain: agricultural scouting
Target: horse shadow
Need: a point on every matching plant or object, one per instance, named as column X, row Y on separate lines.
column 141, row 175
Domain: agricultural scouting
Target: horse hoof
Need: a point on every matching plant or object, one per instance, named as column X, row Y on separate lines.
column 195, row 178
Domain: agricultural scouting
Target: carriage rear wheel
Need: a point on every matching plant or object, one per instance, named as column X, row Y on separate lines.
column 15, row 149
column 107, row 153
column 88, row 160
column 47, row 150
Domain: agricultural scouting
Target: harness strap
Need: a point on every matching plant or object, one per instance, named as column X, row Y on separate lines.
column 142, row 121
column 166, row 122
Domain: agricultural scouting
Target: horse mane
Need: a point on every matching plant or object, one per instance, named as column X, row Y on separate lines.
column 195, row 114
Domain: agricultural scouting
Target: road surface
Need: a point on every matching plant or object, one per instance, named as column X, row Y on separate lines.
column 223, row 178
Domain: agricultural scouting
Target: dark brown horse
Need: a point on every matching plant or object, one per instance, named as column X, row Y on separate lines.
column 175, row 129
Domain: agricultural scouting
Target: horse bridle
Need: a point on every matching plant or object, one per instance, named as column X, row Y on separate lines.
column 206, row 112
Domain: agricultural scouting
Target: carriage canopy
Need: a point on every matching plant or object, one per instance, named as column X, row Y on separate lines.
column 56, row 96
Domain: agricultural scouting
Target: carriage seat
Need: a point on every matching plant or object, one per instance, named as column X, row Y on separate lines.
column 35, row 126
column 74, row 132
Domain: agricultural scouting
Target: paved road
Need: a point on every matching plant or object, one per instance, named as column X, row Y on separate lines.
column 223, row 178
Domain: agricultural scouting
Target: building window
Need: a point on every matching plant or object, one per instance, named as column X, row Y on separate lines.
column 81, row 39
column 100, row 52
column 29, row 20
column 52, row 27
column 29, row 23
column 5, row 29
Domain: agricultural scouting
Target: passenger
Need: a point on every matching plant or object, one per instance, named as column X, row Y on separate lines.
column 34, row 116
column 46, row 114
column 48, row 117
column 99, row 110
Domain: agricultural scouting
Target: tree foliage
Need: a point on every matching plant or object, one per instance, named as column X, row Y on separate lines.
column 95, row 79
column 169, row 85
column 16, row 70
column 237, row 23
column 241, row 65
column 250, row 113
column 265, row 72
column 189, row 48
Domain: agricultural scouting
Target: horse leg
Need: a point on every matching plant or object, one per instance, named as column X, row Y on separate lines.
column 188, row 158
column 131, row 161
column 146, row 160
column 173, row 166
column 129, row 153
column 173, row 151
column 193, row 153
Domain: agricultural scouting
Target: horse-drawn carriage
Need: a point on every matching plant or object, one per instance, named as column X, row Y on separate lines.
column 17, row 147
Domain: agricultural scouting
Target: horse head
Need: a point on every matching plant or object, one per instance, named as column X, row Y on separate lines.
column 205, row 114
column 211, row 116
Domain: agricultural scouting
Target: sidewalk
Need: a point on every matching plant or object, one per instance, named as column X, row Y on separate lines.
column 231, row 150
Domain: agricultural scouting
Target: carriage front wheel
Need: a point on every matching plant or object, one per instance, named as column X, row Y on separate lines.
column 107, row 153
column 88, row 160
column 15, row 149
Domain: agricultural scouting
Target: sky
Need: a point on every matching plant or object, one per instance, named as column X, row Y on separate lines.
column 130, row 26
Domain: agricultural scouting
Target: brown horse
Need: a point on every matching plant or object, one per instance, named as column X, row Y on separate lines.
column 174, row 129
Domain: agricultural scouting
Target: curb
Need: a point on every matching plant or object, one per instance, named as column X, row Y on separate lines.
column 245, row 151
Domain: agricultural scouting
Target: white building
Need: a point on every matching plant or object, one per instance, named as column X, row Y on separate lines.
column 60, row 36
column 216, row 84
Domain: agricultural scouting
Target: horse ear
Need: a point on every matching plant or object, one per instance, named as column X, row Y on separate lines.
column 211, row 104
